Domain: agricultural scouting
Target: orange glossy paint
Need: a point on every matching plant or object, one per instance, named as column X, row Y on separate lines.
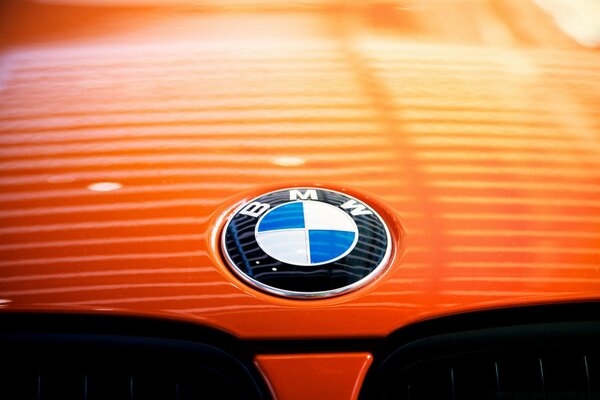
column 315, row 376
column 128, row 135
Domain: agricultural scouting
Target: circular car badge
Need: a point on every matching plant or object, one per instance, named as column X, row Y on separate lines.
column 306, row 242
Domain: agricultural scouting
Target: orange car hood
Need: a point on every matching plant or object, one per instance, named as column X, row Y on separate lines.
column 128, row 134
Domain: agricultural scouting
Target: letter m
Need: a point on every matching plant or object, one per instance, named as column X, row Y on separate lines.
column 310, row 194
column 356, row 208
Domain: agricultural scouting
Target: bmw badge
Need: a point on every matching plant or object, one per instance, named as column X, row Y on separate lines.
column 306, row 243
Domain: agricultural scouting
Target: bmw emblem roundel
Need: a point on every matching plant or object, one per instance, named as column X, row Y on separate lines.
column 306, row 242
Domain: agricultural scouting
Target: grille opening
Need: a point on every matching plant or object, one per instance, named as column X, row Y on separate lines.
column 543, row 361
column 105, row 367
column 496, row 376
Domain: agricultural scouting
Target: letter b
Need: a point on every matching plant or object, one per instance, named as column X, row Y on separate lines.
column 255, row 209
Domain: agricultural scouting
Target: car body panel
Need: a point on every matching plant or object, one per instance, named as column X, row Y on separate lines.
column 129, row 136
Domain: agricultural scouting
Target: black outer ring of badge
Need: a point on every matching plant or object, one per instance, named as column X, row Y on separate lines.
column 247, row 260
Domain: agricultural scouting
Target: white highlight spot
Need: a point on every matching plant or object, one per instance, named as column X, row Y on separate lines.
column 579, row 19
column 288, row 161
column 105, row 186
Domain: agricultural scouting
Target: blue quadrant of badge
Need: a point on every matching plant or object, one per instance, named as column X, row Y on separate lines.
column 328, row 245
column 288, row 216
column 306, row 233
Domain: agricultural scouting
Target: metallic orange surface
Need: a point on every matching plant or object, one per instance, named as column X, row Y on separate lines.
column 315, row 376
column 128, row 134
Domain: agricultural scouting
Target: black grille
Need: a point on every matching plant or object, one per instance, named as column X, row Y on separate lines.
column 83, row 366
column 537, row 361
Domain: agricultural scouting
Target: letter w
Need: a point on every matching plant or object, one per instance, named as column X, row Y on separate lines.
column 357, row 208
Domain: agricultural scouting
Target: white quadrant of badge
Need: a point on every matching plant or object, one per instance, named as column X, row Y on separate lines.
column 306, row 233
